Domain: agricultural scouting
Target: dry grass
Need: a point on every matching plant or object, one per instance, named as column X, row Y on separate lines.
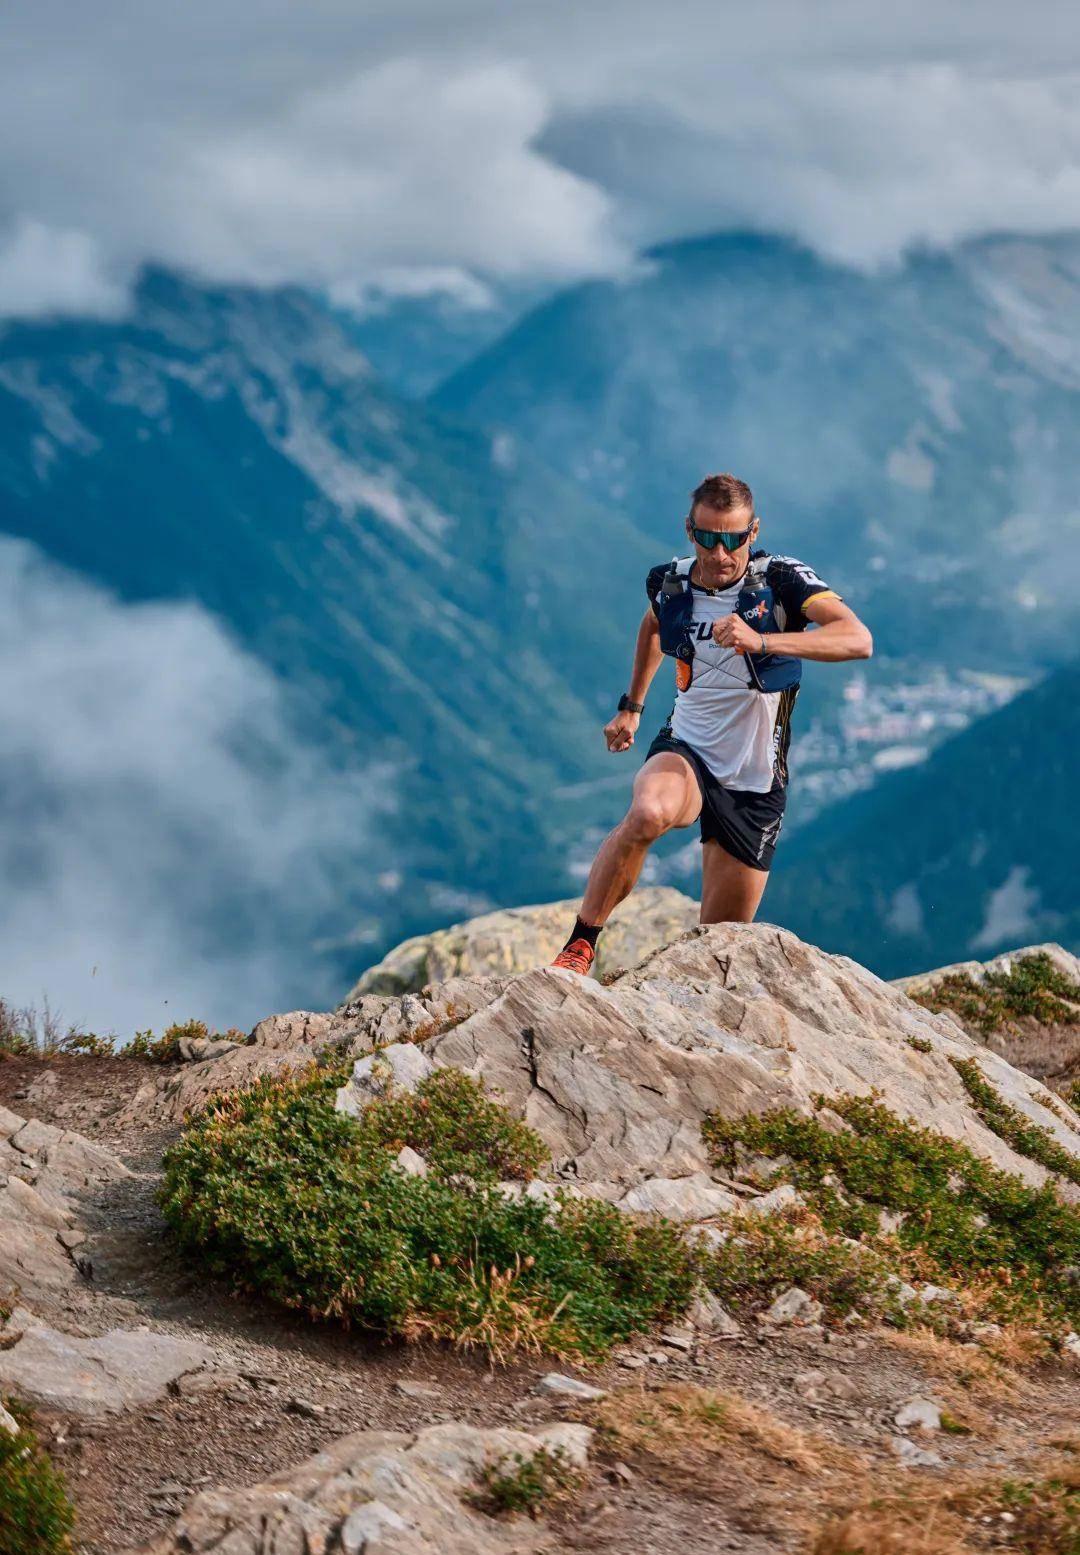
column 680, row 1429
column 980, row 1374
column 1039, row 1515
column 920, row 1530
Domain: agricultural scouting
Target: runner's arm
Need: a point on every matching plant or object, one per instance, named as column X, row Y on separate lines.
column 647, row 657
column 619, row 732
column 840, row 634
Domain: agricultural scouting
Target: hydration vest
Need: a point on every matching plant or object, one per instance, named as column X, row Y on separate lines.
column 757, row 606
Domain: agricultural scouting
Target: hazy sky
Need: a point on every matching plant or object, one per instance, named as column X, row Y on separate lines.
column 333, row 142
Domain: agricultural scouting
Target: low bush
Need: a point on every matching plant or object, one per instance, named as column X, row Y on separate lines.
column 521, row 1484
column 275, row 1190
column 36, row 1516
column 963, row 1220
column 761, row 1257
column 457, row 1129
column 1025, row 1137
column 1033, row 987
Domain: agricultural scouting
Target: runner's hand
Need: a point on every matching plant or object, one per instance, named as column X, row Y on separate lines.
column 733, row 632
column 619, row 733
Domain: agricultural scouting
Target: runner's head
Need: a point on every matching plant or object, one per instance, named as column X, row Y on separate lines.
column 722, row 506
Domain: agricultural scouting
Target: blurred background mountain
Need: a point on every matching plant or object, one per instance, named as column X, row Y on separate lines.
column 412, row 537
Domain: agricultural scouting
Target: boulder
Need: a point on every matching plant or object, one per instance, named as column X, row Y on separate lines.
column 400, row 1067
column 732, row 1018
column 102, row 1376
column 1048, row 1052
column 43, row 1173
column 289, row 1044
column 377, row 1493
column 517, row 939
column 617, row 1077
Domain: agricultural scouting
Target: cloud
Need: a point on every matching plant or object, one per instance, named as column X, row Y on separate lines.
column 333, row 145
column 51, row 270
column 170, row 842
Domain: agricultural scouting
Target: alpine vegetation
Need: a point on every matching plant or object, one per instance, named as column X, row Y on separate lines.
column 310, row 1207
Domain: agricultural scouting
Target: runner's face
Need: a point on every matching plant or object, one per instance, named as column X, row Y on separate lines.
column 720, row 566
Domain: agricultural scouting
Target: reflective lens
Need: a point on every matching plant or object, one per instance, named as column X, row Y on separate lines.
column 711, row 538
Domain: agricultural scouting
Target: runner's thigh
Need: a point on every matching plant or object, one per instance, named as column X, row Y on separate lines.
column 668, row 781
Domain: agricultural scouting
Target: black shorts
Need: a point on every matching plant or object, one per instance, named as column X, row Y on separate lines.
column 746, row 825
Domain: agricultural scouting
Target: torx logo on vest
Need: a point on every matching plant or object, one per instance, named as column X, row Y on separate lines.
column 756, row 611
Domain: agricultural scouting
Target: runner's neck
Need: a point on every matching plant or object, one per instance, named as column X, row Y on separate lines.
column 720, row 589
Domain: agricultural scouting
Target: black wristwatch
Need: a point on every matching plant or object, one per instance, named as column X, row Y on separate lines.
column 626, row 706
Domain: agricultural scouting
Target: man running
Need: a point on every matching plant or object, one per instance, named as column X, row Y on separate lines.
column 734, row 620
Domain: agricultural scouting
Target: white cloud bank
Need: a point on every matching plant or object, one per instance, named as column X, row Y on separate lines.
column 169, row 843
column 336, row 145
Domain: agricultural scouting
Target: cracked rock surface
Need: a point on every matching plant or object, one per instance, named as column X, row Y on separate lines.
column 377, row 1491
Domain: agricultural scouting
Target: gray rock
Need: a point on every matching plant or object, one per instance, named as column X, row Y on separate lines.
column 362, row 1531
column 568, row 1387
column 8, row 1422
column 705, row 1311
column 411, row 1162
column 913, row 1456
column 1071, row 1344
column 518, row 939
column 124, row 1368
column 422, row 1391
column 681, row 1339
column 733, row 1019
column 400, row 1067
column 679, row 1198
column 376, row 1493
column 194, row 1050
column 922, row 1414
column 793, row 1307
column 47, row 1171
column 937, row 1295
column 783, row 1197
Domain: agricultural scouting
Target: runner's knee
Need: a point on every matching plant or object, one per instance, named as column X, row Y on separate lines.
column 648, row 817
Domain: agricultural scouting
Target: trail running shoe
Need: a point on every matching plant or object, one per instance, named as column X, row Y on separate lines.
column 577, row 957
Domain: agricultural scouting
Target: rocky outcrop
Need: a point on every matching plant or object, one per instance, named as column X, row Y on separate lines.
column 379, row 1492
column 617, row 1077
column 119, row 1370
column 733, row 1018
column 1049, row 1052
column 288, row 1044
column 43, row 1173
column 516, row 939
column 1064, row 960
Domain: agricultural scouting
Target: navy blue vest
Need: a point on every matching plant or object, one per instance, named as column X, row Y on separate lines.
column 757, row 606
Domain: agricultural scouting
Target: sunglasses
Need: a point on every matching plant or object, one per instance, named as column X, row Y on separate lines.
column 729, row 539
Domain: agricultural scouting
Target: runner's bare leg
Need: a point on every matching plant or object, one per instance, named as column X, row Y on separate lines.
column 730, row 890
column 666, row 795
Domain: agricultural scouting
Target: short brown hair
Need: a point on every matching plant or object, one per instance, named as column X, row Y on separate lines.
column 722, row 493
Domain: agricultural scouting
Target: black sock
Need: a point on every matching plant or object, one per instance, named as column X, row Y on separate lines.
column 587, row 931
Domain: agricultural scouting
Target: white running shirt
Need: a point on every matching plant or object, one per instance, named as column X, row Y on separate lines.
column 736, row 730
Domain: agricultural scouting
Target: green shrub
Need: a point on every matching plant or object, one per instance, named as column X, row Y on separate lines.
column 964, row 1219
column 761, row 1257
column 36, row 1516
column 1025, row 1137
column 450, row 1122
column 1033, row 986
column 275, row 1190
column 521, row 1484
column 166, row 1048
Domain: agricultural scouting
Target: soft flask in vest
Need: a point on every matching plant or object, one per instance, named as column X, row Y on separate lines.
column 766, row 671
